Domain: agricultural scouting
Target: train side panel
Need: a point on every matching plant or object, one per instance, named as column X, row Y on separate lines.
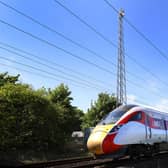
column 131, row 133
column 156, row 127
column 153, row 130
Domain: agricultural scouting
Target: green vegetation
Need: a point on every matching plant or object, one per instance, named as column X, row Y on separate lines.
column 42, row 120
column 39, row 120
column 102, row 106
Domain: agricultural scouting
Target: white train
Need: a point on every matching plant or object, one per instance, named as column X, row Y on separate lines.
column 132, row 130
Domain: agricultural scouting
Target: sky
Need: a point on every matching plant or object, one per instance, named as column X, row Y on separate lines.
column 53, row 60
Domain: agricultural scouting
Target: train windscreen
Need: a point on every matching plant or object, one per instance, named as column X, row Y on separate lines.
column 115, row 115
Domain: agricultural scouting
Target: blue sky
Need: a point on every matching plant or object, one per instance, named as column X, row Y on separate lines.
column 150, row 17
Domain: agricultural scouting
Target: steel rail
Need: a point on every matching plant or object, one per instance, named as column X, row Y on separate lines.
column 90, row 162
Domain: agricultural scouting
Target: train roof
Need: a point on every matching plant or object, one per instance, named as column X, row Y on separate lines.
column 131, row 108
column 148, row 110
column 127, row 107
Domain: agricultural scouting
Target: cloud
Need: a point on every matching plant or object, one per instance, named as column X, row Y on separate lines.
column 162, row 105
column 153, row 85
column 131, row 99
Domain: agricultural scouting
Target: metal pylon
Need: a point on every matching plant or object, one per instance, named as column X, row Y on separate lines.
column 121, row 75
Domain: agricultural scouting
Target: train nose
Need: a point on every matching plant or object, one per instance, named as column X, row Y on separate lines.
column 95, row 141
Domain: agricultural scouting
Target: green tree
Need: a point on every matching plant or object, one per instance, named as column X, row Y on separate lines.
column 40, row 119
column 61, row 95
column 5, row 78
column 102, row 106
column 71, row 116
column 26, row 119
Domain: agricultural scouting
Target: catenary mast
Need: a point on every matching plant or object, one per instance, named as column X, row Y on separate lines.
column 121, row 75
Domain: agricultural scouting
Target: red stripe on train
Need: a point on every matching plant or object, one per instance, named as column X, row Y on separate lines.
column 108, row 146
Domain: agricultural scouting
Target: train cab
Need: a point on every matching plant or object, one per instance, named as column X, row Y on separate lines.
column 130, row 129
column 101, row 141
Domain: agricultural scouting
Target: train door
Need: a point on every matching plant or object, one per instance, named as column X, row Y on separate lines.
column 148, row 129
column 165, row 127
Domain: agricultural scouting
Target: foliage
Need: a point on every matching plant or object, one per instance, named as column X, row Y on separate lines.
column 5, row 78
column 35, row 119
column 102, row 106
column 70, row 116
column 43, row 119
column 26, row 118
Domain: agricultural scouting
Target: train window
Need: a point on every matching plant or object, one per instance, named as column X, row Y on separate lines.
column 157, row 123
column 115, row 115
column 136, row 117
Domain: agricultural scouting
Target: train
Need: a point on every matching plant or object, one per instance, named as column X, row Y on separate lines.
column 131, row 130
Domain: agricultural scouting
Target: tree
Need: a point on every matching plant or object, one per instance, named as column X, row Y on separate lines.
column 27, row 120
column 102, row 106
column 61, row 95
column 40, row 119
column 5, row 78
column 71, row 116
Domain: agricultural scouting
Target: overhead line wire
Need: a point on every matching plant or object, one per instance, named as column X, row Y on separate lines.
column 98, row 33
column 57, row 47
column 52, row 62
column 105, row 38
column 20, row 69
column 142, row 87
column 53, row 45
column 93, row 29
column 35, row 68
column 37, row 74
column 146, row 69
column 65, row 37
column 46, row 65
column 42, row 75
column 45, row 76
column 101, row 35
column 58, row 33
column 85, row 23
column 44, row 71
column 147, row 40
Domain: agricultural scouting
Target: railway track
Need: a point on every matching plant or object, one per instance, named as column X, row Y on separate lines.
column 89, row 162
column 58, row 163
column 84, row 162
